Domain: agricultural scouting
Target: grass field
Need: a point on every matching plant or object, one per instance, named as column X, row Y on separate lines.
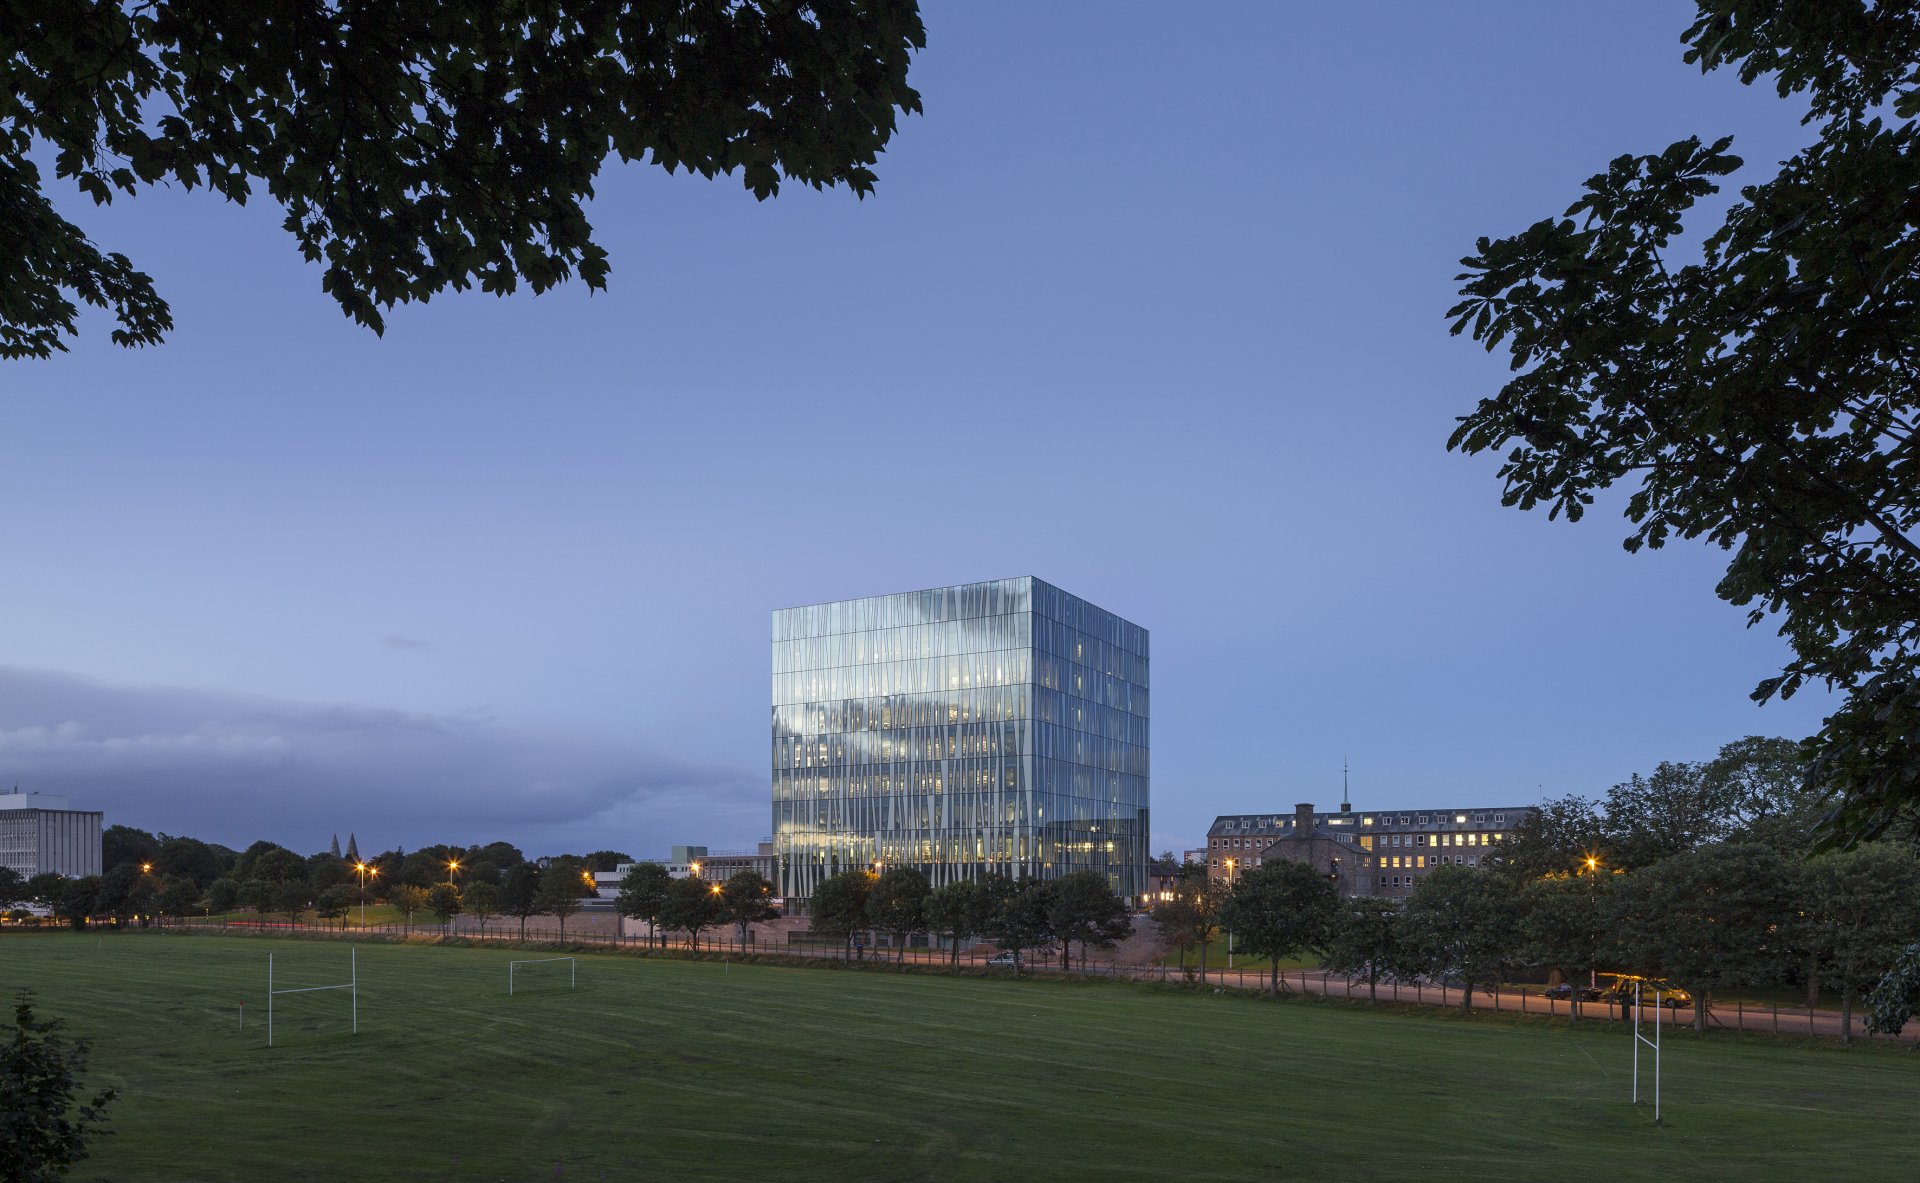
column 660, row 1068
column 1217, row 958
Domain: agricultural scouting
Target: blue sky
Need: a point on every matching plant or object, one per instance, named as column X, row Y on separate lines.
column 1149, row 308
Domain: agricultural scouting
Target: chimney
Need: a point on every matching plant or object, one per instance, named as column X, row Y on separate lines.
column 1303, row 818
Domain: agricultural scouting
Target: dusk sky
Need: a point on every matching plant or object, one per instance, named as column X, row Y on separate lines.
column 1149, row 308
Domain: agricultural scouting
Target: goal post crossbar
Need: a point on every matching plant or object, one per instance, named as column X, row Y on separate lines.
column 573, row 969
column 352, row 983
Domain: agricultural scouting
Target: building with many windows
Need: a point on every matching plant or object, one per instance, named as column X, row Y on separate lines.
column 987, row 727
column 1365, row 853
column 39, row 833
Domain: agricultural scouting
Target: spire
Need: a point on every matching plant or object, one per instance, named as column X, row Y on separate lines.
column 335, row 851
column 1344, row 803
column 353, row 848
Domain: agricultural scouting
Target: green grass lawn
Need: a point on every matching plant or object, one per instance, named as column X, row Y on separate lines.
column 1217, row 958
column 658, row 1069
column 376, row 914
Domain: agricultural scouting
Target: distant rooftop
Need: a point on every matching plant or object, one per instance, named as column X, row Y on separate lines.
column 15, row 799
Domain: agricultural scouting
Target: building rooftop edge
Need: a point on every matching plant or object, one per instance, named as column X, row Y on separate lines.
column 909, row 591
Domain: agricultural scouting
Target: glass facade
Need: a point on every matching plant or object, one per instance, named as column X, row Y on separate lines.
column 996, row 726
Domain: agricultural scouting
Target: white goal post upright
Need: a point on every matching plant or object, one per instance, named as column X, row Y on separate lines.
column 351, row 984
column 573, row 968
column 1653, row 1043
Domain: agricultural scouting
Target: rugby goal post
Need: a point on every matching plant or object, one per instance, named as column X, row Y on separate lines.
column 1654, row 1043
column 352, row 984
column 573, row 968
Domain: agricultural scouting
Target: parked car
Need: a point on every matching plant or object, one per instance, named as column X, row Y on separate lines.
column 1621, row 991
column 1006, row 960
column 1566, row 990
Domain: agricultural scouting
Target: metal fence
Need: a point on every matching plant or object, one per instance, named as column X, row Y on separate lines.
column 1738, row 1015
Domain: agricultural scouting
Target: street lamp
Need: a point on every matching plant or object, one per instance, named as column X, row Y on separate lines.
column 364, row 870
column 1593, row 883
column 452, row 866
column 1229, row 931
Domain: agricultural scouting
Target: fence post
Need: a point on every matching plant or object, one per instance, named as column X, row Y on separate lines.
column 1776, row 1016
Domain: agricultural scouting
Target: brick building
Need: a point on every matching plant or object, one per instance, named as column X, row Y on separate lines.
column 1367, row 853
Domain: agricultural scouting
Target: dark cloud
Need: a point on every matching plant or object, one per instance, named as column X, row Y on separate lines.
column 414, row 644
column 233, row 768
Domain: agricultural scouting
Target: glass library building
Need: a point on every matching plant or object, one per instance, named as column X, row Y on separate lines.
column 964, row 730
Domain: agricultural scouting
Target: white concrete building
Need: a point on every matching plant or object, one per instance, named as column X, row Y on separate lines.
column 39, row 833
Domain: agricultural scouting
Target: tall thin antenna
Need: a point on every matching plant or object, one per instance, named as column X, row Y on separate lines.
column 1344, row 803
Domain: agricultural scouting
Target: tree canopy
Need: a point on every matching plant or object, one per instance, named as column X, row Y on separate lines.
column 1756, row 387
column 415, row 147
column 692, row 905
column 45, row 1120
column 746, row 898
column 643, row 893
column 1281, row 909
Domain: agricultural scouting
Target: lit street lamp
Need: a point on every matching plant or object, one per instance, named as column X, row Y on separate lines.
column 452, row 866
column 364, row 870
column 1593, row 880
column 1229, row 931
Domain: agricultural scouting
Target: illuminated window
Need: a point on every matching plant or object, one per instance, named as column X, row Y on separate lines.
column 1366, row 821
column 1460, row 820
column 1420, row 861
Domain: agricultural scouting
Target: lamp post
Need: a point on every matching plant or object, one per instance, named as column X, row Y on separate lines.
column 1593, row 895
column 363, row 870
column 452, row 866
column 1230, row 865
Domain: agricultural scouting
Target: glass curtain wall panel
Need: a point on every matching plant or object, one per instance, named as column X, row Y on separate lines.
column 996, row 726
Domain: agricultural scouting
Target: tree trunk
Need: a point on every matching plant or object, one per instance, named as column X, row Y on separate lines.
column 1373, row 985
column 1066, row 957
column 1273, row 983
column 1699, row 1013
column 1846, row 1012
column 1813, row 980
column 1466, row 994
column 1203, row 963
